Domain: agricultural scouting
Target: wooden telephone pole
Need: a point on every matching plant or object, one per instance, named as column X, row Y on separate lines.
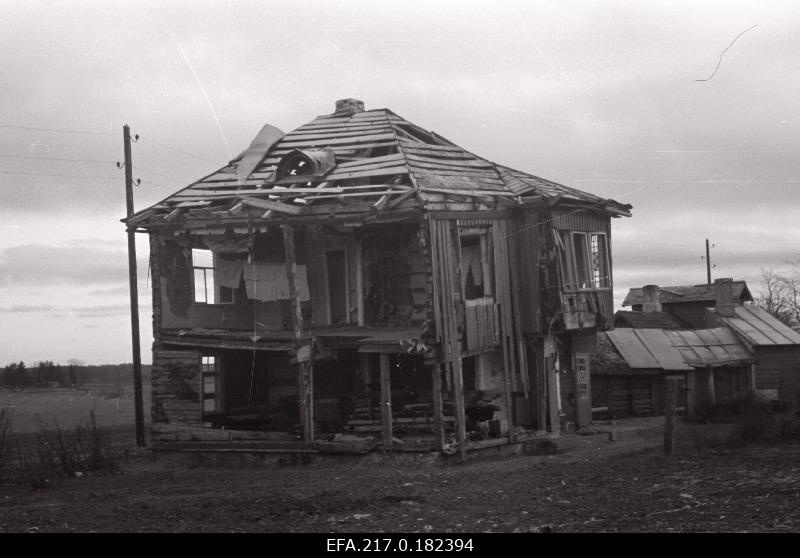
column 137, row 359
column 708, row 262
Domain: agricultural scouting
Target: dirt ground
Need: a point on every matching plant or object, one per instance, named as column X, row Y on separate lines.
column 593, row 486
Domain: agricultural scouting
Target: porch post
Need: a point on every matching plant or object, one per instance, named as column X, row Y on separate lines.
column 303, row 352
column 438, row 421
column 691, row 394
column 712, row 398
column 753, row 377
column 386, row 402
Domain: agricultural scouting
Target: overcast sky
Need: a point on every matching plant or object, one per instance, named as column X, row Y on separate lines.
column 602, row 96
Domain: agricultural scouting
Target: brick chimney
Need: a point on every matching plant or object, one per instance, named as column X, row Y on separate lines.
column 651, row 302
column 723, row 295
column 349, row 106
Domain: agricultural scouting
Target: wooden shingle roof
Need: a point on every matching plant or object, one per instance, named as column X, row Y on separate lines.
column 687, row 293
column 646, row 320
column 378, row 161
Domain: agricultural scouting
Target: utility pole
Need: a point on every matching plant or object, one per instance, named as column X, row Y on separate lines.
column 708, row 262
column 137, row 359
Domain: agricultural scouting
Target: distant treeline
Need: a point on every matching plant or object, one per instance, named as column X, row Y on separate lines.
column 74, row 374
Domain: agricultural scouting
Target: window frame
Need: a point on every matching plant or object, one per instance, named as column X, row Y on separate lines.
column 568, row 260
column 217, row 289
column 210, row 367
column 486, row 256
column 605, row 264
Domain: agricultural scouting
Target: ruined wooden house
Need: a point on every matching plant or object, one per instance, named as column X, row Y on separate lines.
column 363, row 275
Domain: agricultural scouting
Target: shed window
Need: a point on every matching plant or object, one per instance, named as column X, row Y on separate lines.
column 206, row 288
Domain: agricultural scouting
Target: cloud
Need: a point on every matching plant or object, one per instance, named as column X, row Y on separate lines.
column 28, row 308
column 78, row 262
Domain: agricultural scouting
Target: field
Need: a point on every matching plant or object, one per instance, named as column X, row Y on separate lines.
column 596, row 485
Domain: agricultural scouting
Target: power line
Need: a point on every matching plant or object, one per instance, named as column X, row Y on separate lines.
column 178, row 180
column 157, row 185
column 61, row 175
column 57, row 130
column 57, row 159
column 183, row 152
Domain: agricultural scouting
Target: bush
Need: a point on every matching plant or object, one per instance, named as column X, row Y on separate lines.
column 61, row 453
column 6, row 439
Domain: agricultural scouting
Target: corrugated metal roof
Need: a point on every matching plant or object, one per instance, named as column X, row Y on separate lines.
column 709, row 347
column 379, row 156
column 688, row 293
column 647, row 348
column 758, row 327
column 679, row 349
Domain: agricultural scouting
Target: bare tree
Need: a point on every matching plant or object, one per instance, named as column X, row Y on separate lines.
column 780, row 293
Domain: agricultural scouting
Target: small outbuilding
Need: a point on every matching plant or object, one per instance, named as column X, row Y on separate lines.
column 711, row 366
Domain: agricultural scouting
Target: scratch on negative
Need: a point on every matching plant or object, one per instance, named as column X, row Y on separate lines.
column 726, row 50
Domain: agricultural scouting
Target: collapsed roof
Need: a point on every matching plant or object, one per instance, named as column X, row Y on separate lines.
column 355, row 162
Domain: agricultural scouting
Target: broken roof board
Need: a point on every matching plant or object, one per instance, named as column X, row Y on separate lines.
column 709, row 347
column 405, row 157
column 759, row 327
column 687, row 293
column 647, row 348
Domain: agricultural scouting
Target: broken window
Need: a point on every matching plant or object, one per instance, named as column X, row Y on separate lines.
column 583, row 260
column 475, row 266
column 207, row 289
column 580, row 263
column 601, row 278
column 211, row 387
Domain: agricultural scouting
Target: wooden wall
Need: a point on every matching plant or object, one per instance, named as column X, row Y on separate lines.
column 778, row 371
column 176, row 387
column 395, row 272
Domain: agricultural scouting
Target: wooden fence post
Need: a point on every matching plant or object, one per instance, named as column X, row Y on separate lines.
column 669, row 417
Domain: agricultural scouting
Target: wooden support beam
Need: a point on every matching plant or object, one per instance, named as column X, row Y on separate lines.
column 438, row 418
column 712, row 397
column 304, row 369
column 174, row 214
column 552, row 390
column 455, row 283
column 267, row 204
column 359, row 283
column 386, row 402
column 691, row 395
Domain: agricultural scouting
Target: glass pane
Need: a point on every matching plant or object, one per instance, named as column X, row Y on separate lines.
column 600, row 275
column 202, row 258
column 200, row 285
column 209, row 385
column 581, row 265
column 211, row 291
column 209, row 405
